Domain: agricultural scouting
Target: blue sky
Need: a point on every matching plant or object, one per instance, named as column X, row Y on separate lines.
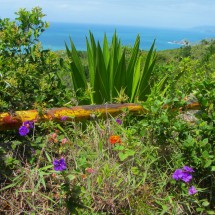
column 154, row 13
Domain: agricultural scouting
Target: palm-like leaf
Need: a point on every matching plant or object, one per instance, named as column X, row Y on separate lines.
column 78, row 76
column 144, row 84
column 108, row 72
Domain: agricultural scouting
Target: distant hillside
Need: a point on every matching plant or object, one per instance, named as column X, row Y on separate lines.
column 197, row 51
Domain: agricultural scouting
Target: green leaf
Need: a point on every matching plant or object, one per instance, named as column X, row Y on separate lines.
column 203, row 142
column 144, row 86
column 101, row 87
column 128, row 153
column 189, row 142
column 119, row 76
column 15, row 144
column 122, row 156
column 131, row 65
column 71, row 177
column 46, row 167
column 135, row 170
column 48, row 157
column 106, row 53
column 91, row 63
column 208, row 163
column 118, row 147
column 200, row 209
column 136, row 79
column 210, row 212
column 78, row 76
column 205, row 203
column 42, row 180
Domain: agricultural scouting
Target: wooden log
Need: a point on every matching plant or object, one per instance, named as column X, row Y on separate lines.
column 8, row 121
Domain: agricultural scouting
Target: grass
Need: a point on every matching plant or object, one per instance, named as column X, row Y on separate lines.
column 130, row 177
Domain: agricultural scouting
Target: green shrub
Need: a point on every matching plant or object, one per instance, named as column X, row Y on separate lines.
column 28, row 74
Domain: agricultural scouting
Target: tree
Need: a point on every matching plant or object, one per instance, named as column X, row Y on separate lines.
column 21, row 35
column 27, row 72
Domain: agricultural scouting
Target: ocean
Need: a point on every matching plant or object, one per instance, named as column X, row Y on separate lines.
column 58, row 34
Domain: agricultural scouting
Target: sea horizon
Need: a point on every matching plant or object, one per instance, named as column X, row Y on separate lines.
column 59, row 33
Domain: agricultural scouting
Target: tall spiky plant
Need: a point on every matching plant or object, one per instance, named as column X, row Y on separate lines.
column 110, row 72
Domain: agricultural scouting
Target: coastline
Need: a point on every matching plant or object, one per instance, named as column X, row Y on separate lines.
column 58, row 34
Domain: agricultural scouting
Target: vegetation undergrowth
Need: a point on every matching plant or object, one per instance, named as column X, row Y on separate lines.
column 160, row 162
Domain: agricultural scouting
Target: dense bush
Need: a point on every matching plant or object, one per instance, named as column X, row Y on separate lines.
column 27, row 72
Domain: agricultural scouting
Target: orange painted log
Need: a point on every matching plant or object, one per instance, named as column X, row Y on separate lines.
column 8, row 121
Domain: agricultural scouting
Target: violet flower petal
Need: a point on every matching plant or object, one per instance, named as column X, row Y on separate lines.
column 188, row 169
column 178, row 174
column 23, row 130
column 186, row 177
column 59, row 165
column 192, row 190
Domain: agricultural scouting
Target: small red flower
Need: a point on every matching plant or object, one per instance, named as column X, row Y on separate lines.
column 115, row 139
column 64, row 140
column 53, row 138
column 90, row 170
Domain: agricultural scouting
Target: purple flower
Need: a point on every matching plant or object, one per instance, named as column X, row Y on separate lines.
column 119, row 121
column 192, row 190
column 63, row 118
column 28, row 124
column 23, row 130
column 59, row 165
column 178, row 174
column 186, row 177
column 188, row 169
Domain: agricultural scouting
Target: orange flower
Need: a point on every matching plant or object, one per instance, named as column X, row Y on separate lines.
column 115, row 139
column 84, row 176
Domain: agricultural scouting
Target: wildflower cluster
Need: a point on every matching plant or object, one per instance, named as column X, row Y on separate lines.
column 25, row 128
column 185, row 175
column 54, row 138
